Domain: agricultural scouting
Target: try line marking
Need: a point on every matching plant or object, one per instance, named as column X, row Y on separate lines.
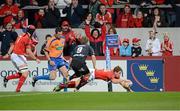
column 24, row 94
column 90, row 110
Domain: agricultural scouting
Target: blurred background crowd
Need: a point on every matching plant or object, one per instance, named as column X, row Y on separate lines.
column 97, row 18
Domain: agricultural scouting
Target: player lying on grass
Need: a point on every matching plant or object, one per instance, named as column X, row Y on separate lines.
column 106, row 75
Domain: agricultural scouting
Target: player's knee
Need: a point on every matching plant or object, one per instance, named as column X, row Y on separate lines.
column 24, row 70
column 66, row 73
column 64, row 70
column 52, row 75
column 20, row 74
column 86, row 77
column 25, row 74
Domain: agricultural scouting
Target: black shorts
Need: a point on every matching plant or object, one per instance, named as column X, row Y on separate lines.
column 80, row 68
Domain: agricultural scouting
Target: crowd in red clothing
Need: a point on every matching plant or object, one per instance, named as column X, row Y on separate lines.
column 98, row 16
column 127, row 17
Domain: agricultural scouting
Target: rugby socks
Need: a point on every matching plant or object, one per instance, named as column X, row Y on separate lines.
column 14, row 76
column 44, row 77
column 83, row 81
column 70, row 84
column 21, row 82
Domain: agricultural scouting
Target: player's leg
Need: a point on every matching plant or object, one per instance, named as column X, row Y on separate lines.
column 78, row 73
column 50, row 76
column 70, row 84
column 73, row 76
column 76, row 69
column 73, row 84
column 21, row 63
column 13, row 76
column 84, row 79
column 22, row 79
column 63, row 66
column 64, row 71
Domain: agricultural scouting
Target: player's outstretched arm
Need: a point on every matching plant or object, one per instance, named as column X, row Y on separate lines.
column 126, row 84
column 116, row 81
column 30, row 53
column 123, row 83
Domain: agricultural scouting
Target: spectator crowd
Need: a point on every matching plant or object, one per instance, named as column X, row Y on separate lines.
column 98, row 19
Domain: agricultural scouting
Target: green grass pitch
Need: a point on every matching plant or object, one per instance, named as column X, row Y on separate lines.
column 90, row 101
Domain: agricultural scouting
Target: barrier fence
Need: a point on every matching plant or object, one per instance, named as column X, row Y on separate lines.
column 148, row 74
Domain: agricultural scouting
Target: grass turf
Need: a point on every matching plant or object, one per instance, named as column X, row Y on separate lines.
column 90, row 101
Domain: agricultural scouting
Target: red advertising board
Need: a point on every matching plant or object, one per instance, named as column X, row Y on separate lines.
column 172, row 73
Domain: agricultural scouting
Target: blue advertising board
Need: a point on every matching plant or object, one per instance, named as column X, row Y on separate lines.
column 112, row 40
column 146, row 75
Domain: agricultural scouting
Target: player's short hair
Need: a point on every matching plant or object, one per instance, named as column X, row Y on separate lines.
column 58, row 29
column 117, row 69
column 84, row 40
column 47, row 36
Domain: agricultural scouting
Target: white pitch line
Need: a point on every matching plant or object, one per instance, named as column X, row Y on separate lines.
column 91, row 110
column 23, row 94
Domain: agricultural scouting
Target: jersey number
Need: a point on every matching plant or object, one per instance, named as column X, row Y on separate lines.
column 79, row 49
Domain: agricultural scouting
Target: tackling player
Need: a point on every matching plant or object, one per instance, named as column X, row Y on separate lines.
column 22, row 47
column 78, row 61
column 106, row 75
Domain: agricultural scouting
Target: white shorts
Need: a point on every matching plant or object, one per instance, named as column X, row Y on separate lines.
column 19, row 61
column 92, row 75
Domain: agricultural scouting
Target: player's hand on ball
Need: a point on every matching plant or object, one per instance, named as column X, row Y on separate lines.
column 125, row 83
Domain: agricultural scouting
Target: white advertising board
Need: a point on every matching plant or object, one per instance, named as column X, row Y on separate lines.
column 6, row 68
